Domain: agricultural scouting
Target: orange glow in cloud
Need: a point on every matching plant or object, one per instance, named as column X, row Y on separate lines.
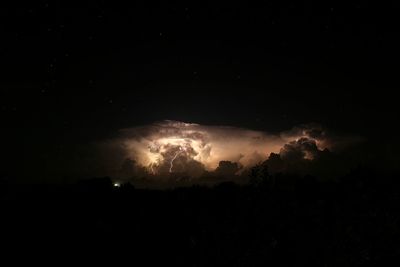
column 161, row 145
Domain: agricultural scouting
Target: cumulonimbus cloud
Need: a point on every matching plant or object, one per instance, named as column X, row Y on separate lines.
column 172, row 146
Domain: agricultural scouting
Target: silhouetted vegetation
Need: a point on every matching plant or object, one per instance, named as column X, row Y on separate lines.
column 282, row 220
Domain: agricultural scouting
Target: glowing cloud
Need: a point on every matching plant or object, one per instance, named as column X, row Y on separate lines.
column 174, row 147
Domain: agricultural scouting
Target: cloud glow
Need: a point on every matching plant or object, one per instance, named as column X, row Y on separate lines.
column 171, row 146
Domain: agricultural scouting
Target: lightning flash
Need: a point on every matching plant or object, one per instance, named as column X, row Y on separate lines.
column 171, row 146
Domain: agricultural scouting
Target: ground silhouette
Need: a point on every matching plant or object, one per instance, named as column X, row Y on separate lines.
column 282, row 220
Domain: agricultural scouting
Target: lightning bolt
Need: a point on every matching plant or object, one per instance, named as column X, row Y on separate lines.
column 172, row 161
column 151, row 168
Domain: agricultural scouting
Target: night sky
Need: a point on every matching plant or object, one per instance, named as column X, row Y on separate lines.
column 71, row 75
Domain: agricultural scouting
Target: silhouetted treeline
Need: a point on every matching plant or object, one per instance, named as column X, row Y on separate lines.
column 282, row 220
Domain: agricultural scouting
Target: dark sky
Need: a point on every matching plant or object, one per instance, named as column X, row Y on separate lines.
column 73, row 74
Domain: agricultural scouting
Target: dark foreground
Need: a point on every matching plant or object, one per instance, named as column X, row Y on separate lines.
column 289, row 221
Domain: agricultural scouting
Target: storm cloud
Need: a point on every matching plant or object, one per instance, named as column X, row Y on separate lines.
column 171, row 147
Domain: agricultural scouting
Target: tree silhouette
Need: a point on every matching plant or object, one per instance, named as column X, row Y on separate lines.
column 259, row 175
column 227, row 168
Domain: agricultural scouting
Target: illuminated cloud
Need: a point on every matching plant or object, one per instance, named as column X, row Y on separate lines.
column 176, row 147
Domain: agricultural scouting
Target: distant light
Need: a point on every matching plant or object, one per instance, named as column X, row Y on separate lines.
column 117, row 185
